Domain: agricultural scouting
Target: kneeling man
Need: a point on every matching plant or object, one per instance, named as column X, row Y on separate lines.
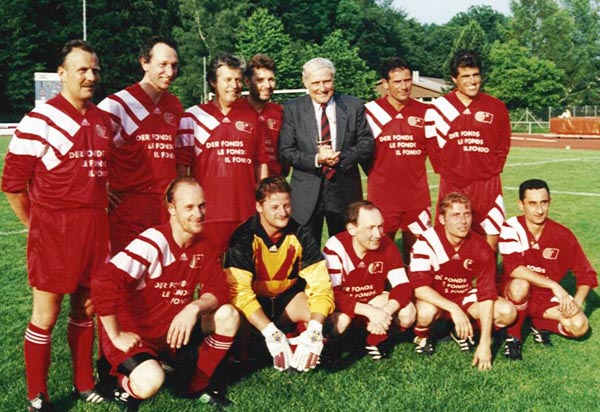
column 453, row 271
column 360, row 260
column 145, row 299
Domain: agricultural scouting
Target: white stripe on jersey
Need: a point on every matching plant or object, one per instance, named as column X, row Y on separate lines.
column 376, row 112
column 513, row 238
column 66, row 123
column 422, row 223
column 397, row 276
column 492, row 225
column 431, row 247
column 147, row 252
column 201, row 118
column 471, row 297
column 338, row 260
column 26, row 147
column 134, row 105
column 126, row 122
column 40, row 127
column 446, row 108
column 49, row 159
column 433, row 122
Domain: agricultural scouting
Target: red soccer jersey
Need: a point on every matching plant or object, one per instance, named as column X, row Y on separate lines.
column 398, row 178
column 555, row 253
column 60, row 156
column 142, row 157
column 223, row 152
column 453, row 273
column 472, row 142
column 150, row 282
column 269, row 122
column 360, row 280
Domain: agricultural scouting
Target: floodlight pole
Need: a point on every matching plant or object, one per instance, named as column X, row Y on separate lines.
column 84, row 22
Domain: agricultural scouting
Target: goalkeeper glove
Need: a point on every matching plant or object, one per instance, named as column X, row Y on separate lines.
column 310, row 345
column 278, row 346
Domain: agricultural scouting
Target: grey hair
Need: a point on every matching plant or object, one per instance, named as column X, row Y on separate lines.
column 318, row 63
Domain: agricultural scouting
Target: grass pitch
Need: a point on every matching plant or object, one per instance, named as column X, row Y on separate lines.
column 562, row 378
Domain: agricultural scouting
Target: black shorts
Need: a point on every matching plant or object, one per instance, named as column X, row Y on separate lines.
column 274, row 306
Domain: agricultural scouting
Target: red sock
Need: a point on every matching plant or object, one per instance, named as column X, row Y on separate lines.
column 516, row 328
column 125, row 383
column 37, row 348
column 550, row 325
column 80, row 334
column 421, row 332
column 374, row 340
column 210, row 354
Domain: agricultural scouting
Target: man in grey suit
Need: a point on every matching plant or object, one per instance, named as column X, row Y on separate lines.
column 324, row 137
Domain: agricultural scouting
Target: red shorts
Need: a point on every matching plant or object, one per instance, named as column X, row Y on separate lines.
column 540, row 303
column 220, row 233
column 464, row 301
column 487, row 203
column 414, row 221
column 135, row 213
column 65, row 248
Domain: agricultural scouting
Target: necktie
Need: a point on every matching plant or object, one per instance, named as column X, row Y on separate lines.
column 327, row 171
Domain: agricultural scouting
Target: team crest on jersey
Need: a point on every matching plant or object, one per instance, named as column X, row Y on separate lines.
column 416, row 121
column 169, row 118
column 243, row 126
column 468, row 264
column 196, row 261
column 550, row 253
column 272, row 124
column 101, row 131
column 484, row 117
column 376, row 267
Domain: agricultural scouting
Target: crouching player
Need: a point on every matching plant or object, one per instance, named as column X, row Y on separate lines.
column 278, row 278
column 145, row 299
column 445, row 263
column 360, row 260
column 537, row 253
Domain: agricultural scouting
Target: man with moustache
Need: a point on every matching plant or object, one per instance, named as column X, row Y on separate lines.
column 55, row 178
column 219, row 143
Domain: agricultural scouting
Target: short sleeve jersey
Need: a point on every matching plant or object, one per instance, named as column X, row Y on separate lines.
column 397, row 180
column 223, row 152
column 269, row 123
column 153, row 278
column 357, row 280
column 60, row 156
column 453, row 273
column 555, row 253
column 471, row 142
column 257, row 266
column 142, row 155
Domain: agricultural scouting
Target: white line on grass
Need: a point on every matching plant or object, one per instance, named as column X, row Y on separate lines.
column 16, row 232
column 543, row 162
column 561, row 192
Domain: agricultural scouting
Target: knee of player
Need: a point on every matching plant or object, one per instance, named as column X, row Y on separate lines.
column 578, row 325
column 426, row 313
column 339, row 322
column 518, row 291
column 407, row 315
column 227, row 319
column 45, row 319
column 504, row 312
column 145, row 383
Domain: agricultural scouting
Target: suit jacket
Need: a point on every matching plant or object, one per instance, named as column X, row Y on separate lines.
column 298, row 148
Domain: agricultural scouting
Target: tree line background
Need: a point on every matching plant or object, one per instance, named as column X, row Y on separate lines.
column 546, row 54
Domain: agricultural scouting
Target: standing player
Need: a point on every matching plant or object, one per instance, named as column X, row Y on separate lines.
column 55, row 178
column 360, row 261
column 145, row 299
column 537, row 253
column 472, row 138
column 397, row 122
column 145, row 118
column 222, row 145
column 277, row 276
column 446, row 263
column 259, row 78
